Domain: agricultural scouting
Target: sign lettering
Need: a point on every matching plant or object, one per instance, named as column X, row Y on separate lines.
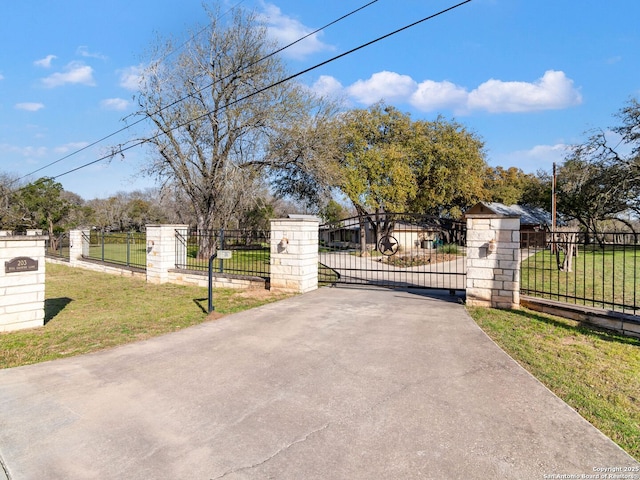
column 21, row 264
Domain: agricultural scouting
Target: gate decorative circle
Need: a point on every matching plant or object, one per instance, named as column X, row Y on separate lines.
column 388, row 245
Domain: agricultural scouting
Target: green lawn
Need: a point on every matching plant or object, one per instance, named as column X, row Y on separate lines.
column 87, row 311
column 602, row 278
column 134, row 256
column 253, row 262
column 596, row 372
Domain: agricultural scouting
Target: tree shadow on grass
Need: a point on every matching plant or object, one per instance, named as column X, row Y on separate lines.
column 53, row 306
column 584, row 328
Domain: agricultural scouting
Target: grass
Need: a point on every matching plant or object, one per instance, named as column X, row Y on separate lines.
column 326, row 275
column 252, row 262
column 117, row 253
column 594, row 371
column 87, row 311
column 602, row 278
column 242, row 262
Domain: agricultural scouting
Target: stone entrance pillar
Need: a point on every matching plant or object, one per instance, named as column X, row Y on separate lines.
column 294, row 255
column 22, row 275
column 493, row 259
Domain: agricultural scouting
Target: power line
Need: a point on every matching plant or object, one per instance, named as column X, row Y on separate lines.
column 93, row 144
column 291, row 77
column 199, row 90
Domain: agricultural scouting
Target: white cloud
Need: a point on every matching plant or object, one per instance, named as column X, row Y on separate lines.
column 327, row 86
column 285, row 30
column 1, row 77
column 551, row 92
column 130, row 77
column 45, row 62
column 432, row 96
column 29, row 106
column 388, row 86
column 75, row 73
column 83, row 51
column 114, row 104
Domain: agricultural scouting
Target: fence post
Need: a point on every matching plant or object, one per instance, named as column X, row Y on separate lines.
column 294, row 255
column 161, row 251
column 221, row 246
column 493, row 260
column 128, row 240
column 78, row 246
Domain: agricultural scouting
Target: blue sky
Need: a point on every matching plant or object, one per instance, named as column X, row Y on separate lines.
column 529, row 77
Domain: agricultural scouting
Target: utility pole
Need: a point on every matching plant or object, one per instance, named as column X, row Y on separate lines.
column 553, row 210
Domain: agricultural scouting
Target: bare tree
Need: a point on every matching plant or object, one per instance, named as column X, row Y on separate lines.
column 9, row 214
column 215, row 105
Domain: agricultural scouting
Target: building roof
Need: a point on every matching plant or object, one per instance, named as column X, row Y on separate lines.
column 528, row 215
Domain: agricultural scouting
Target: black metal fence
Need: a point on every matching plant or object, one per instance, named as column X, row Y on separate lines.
column 127, row 249
column 572, row 267
column 58, row 247
column 394, row 250
column 249, row 251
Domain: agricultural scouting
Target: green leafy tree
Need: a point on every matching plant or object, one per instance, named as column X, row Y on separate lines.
column 536, row 191
column 80, row 214
column 42, row 205
column 333, row 212
column 376, row 168
column 450, row 168
column 509, row 185
column 391, row 163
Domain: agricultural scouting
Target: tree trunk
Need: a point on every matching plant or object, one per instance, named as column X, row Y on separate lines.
column 566, row 241
column 207, row 238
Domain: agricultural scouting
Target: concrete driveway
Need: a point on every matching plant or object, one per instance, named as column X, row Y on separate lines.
column 339, row 383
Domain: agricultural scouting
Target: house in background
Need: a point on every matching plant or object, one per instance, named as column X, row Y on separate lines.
column 411, row 232
column 535, row 223
column 343, row 234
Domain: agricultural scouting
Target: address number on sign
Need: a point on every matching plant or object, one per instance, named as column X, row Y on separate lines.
column 21, row 264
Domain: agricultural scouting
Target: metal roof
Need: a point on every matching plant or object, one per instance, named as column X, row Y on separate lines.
column 528, row 215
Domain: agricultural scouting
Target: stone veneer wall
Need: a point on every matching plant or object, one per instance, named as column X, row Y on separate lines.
column 493, row 279
column 161, row 251
column 201, row 279
column 22, row 293
column 294, row 255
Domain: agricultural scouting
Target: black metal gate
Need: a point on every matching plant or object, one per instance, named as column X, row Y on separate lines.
column 394, row 250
